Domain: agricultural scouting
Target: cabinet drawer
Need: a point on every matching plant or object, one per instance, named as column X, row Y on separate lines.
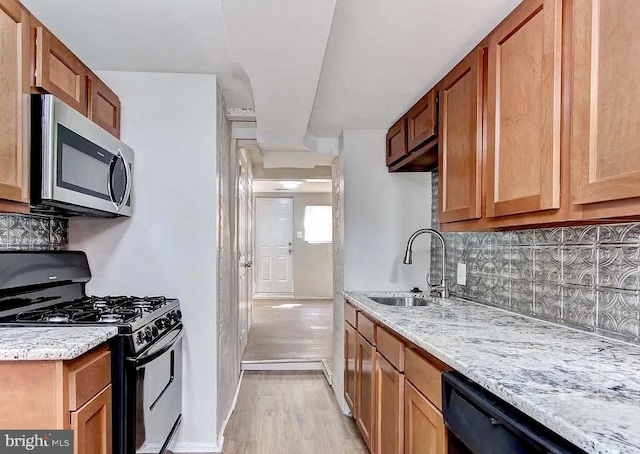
column 367, row 328
column 87, row 376
column 425, row 376
column 350, row 314
column 390, row 347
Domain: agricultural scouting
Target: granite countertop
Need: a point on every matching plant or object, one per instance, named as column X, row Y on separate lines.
column 582, row 386
column 51, row 343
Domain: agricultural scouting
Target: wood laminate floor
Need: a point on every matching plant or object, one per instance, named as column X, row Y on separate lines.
column 290, row 329
column 289, row 413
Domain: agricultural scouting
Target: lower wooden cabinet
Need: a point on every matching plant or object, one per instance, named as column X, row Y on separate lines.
column 62, row 395
column 389, row 408
column 350, row 366
column 393, row 388
column 365, row 390
column 424, row 430
column 91, row 425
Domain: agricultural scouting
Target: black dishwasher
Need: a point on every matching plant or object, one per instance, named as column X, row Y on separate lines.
column 478, row 422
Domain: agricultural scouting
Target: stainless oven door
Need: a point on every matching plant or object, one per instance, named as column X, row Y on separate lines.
column 158, row 393
column 82, row 164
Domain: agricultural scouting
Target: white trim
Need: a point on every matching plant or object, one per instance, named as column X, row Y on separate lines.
column 231, row 410
column 288, row 296
column 197, row 447
column 284, row 364
column 327, row 372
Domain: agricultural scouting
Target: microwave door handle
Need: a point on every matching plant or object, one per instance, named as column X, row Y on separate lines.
column 127, row 191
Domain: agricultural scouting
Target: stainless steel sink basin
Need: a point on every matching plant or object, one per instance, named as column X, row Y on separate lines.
column 400, row 301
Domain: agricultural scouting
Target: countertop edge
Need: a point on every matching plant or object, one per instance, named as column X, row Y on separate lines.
column 51, row 352
column 557, row 425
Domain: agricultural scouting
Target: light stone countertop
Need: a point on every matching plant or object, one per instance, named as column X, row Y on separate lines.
column 584, row 387
column 51, row 343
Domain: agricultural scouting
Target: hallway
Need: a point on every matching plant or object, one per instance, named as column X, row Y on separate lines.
column 290, row 329
column 289, row 413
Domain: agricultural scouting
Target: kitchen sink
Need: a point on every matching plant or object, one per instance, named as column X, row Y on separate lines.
column 400, row 301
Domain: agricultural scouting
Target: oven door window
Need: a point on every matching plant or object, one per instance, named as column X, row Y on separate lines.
column 84, row 167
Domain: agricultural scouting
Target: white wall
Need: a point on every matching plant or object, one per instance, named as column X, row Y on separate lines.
column 381, row 210
column 168, row 247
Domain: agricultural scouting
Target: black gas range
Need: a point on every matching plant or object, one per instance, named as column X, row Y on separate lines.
column 48, row 289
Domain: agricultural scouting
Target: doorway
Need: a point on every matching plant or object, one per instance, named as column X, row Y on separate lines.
column 274, row 246
column 292, row 314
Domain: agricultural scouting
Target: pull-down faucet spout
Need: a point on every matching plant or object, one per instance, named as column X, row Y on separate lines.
column 408, row 259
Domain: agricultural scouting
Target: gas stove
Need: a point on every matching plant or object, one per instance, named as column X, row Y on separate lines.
column 142, row 318
column 49, row 289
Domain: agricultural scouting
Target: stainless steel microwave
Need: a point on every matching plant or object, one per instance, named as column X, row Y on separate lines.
column 77, row 168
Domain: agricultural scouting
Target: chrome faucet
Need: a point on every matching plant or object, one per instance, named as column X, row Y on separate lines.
column 441, row 288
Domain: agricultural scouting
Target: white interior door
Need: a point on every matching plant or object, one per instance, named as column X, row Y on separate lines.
column 274, row 245
column 244, row 259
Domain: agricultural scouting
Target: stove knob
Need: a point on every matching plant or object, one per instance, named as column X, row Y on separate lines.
column 178, row 314
column 148, row 335
column 154, row 331
column 140, row 338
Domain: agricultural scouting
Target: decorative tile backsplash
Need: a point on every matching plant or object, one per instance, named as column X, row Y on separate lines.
column 26, row 232
column 587, row 277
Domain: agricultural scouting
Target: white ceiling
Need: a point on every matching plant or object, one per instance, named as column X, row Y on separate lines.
column 148, row 35
column 312, row 68
column 315, row 186
column 384, row 55
column 281, row 45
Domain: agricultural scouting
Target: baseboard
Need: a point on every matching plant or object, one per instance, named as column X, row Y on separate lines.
column 210, row 448
column 266, row 296
column 195, row 447
column 327, row 372
column 283, row 364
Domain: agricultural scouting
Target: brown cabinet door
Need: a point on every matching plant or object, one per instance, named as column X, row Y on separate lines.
column 424, row 425
column 14, row 101
column 421, row 121
column 461, row 144
column 605, row 133
column 104, row 106
column 365, row 390
column 389, row 408
column 91, row 425
column 397, row 142
column 523, row 102
column 350, row 366
column 59, row 71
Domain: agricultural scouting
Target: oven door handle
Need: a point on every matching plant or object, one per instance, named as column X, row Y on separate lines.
column 149, row 356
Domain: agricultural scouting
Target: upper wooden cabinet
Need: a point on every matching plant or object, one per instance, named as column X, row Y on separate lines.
column 14, row 104
column 397, row 142
column 412, row 144
column 421, row 121
column 605, row 126
column 461, row 140
column 104, row 106
column 524, row 110
column 59, row 71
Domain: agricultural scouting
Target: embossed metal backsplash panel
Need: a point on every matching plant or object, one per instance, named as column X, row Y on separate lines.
column 32, row 233
column 587, row 277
